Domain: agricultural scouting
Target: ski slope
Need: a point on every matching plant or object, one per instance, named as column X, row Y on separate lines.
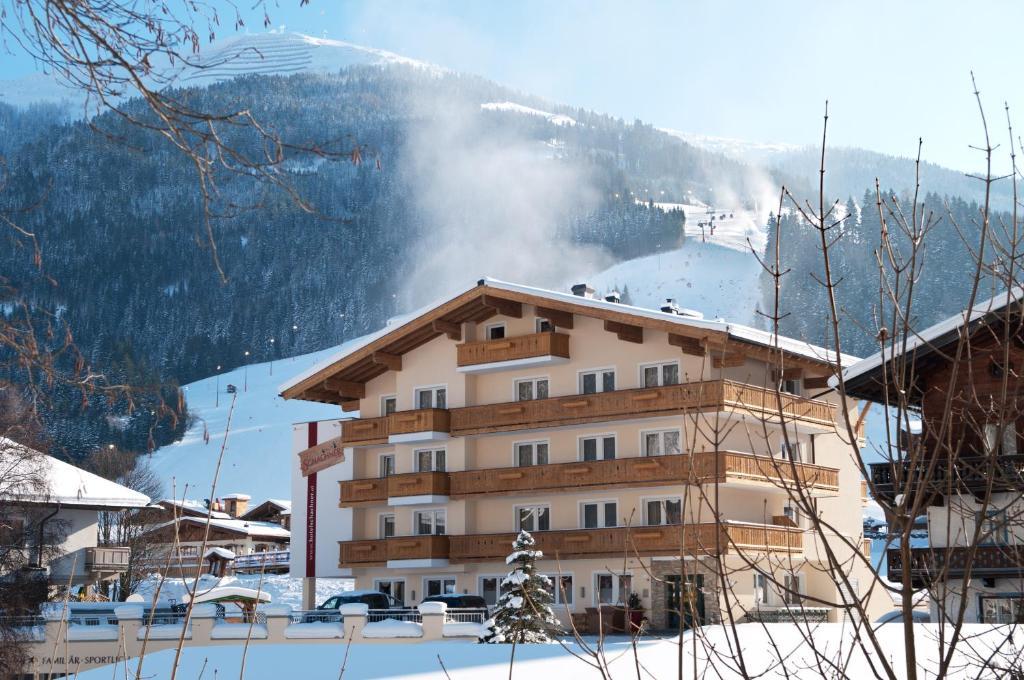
column 553, row 118
column 738, row 229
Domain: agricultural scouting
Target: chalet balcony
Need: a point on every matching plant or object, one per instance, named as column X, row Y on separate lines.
column 536, row 349
column 107, row 559
column 970, row 473
column 390, row 550
column 712, row 395
column 698, row 539
column 724, row 467
column 928, row 565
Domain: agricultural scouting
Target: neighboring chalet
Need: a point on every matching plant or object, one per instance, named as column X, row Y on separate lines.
column 590, row 424
column 237, row 539
column 272, row 510
column 963, row 465
column 65, row 511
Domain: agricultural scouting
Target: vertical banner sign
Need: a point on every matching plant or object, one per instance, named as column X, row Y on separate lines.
column 311, row 512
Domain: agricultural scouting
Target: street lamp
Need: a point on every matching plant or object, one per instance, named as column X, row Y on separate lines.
column 217, row 403
column 245, row 387
column 271, row 356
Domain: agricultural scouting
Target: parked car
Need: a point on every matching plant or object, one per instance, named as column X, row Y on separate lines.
column 371, row 598
column 471, row 605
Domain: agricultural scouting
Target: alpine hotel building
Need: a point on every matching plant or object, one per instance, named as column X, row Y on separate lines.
column 637, row 446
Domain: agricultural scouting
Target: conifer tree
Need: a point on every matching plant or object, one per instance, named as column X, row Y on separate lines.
column 524, row 609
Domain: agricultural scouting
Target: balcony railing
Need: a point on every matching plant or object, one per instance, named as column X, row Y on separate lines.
column 107, row 558
column 365, row 431
column 511, row 349
column 270, row 559
column 971, row 473
column 692, row 539
column 930, row 564
column 704, row 467
column 354, row 553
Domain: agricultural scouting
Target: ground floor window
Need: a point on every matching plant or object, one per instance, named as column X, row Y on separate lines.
column 439, row 586
column 394, row 587
column 1007, row 608
column 561, row 588
column 612, row 588
column 490, row 588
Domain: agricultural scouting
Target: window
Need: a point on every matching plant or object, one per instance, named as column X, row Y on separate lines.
column 792, row 451
column 601, row 447
column 661, row 511
column 387, row 526
column 395, row 587
column 597, row 381
column 790, row 386
column 794, row 589
column 612, row 588
column 438, row 586
column 495, row 331
column 559, row 588
column 761, row 591
column 661, row 442
column 531, row 453
column 1005, row 445
column 793, row 515
column 545, row 326
column 12, row 532
column 429, row 460
column 387, row 465
column 993, row 527
column 533, row 518
column 531, row 388
column 429, row 522
column 489, row 589
column 388, row 405
column 431, row 397
column 599, row 515
column 1002, row 609
column 656, row 375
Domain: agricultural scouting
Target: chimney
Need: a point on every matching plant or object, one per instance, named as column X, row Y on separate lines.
column 612, row 296
column 670, row 306
column 236, row 504
column 583, row 290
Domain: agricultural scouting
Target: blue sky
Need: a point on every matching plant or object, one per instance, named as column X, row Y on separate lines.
column 760, row 71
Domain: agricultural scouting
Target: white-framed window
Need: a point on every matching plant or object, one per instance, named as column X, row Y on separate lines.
column 597, row 447
column 432, row 397
column 438, row 585
column 533, row 517
column 762, row 593
column 429, row 460
column 597, row 380
column 656, row 375
column 386, row 525
column 387, row 465
column 612, row 588
column 662, row 511
column 599, row 514
column 495, row 331
column 793, row 451
column 994, row 527
column 560, row 588
column 793, row 514
column 661, row 442
column 490, row 589
column 429, row 522
column 794, row 589
column 544, row 325
column 388, row 404
column 791, row 385
column 395, row 587
column 531, row 388
column 1006, row 444
column 531, row 453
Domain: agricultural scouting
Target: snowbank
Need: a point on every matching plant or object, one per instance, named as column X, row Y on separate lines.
column 464, row 629
column 319, row 630
column 392, row 628
column 238, row 631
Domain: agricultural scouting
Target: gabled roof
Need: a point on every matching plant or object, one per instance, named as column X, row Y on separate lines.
column 366, row 358
column 863, row 379
column 67, row 485
column 271, row 504
column 187, row 505
column 238, row 526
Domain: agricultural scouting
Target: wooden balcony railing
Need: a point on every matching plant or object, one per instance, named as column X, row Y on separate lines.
column 353, row 553
column 710, row 395
column 693, row 539
column 510, row 349
column 107, row 558
column 969, row 473
column 703, row 467
column 928, row 565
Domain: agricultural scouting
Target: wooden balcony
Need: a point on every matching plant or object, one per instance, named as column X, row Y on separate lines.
column 365, row 431
column 533, row 346
column 693, row 539
column 107, row 558
column 380, row 489
column 379, row 552
column 970, row 473
column 929, row 565
column 361, row 491
column 368, row 431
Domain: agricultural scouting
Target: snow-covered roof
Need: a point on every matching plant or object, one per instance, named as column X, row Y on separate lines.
column 281, row 503
column 934, row 336
column 240, row 526
column 67, row 485
column 223, row 553
column 736, row 331
column 195, row 506
column 237, row 497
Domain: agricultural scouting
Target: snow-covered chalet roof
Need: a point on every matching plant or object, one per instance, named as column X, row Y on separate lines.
column 67, row 485
column 246, row 527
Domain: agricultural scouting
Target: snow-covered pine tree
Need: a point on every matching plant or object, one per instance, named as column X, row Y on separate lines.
column 524, row 609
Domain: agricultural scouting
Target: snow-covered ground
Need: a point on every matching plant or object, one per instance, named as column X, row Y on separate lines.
column 768, row 651
column 554, row 118
column 739, row 149
column 282, row 588
column 738, row 229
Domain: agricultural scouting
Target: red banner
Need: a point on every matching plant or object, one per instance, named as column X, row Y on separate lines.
column 311, row 511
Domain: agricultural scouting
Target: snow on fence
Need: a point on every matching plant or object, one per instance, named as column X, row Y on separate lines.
column 262, row 560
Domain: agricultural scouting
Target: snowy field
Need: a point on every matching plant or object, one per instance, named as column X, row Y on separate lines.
column 742, row 230
column 770, row 651
column 282, row 588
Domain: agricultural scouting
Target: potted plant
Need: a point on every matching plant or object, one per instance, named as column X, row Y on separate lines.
column 635, row 611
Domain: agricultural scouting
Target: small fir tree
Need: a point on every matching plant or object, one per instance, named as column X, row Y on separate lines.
column 524, row 611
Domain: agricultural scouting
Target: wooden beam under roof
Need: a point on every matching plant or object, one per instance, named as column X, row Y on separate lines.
column 392, row 361
column 729, row 360
column 502, row 306
column 348, row 389
column 349, row 406
column 560, row 318
column 687, row 344
column 625, row 331
column 816, row 382
column 451, row 329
